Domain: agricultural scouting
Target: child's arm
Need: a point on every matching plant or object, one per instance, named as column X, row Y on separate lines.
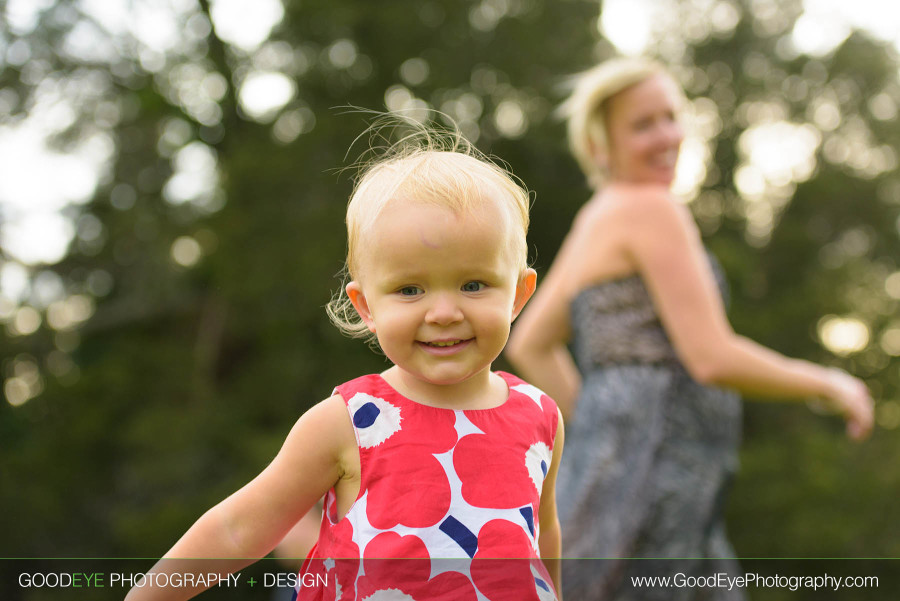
column 550, row 540
column 248, row 524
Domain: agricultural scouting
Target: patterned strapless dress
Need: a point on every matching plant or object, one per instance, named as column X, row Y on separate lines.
column 648, row 460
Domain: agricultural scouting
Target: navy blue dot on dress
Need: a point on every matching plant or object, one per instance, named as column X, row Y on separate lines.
column 366, row 415
column 459, row 533
column 544, row 467
column 542, row 584
column 528, row 513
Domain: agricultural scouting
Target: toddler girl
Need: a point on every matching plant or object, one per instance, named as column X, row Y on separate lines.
column 438, row 474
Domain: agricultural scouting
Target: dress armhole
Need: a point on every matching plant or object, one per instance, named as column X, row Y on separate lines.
column 330, row 501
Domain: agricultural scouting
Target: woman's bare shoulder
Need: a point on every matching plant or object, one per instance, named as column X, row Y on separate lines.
column 628, row 198
column 646, row 206
column 598, row 210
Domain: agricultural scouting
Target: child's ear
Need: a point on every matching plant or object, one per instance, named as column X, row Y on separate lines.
column 358, row 299
column 524, row 289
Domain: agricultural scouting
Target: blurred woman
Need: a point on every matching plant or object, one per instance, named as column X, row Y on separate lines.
column 652, row 432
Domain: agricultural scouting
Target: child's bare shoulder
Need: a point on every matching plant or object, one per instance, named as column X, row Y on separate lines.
column 332, row 409
column 327, row 426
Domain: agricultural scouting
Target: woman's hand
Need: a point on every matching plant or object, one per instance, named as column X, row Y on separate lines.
column 850, row 396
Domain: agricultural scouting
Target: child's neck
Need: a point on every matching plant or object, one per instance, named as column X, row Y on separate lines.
column 484, row 390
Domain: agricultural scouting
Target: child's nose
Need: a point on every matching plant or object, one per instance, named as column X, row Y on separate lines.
column 443, row 310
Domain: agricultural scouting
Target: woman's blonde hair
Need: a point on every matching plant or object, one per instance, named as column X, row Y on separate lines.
column 428, row 165
column 585, row 108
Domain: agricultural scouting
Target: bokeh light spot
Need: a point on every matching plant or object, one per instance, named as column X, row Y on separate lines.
column 186, row 251
column 843, row 335
column 264, row 94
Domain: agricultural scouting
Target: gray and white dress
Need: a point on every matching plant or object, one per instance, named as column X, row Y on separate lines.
column 648, row 459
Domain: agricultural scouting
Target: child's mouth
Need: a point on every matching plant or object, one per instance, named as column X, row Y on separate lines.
column 444, row 343
column 445, row 346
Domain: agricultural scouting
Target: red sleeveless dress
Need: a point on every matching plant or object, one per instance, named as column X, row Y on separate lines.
column 448, row 501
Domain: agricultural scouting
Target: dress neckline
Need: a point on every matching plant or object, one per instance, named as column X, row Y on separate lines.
column 616, row 281
column 504, row 375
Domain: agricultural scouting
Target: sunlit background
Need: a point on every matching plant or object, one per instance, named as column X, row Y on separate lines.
column 126, row 190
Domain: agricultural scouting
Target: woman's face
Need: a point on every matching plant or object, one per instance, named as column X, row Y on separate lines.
column 644, row 135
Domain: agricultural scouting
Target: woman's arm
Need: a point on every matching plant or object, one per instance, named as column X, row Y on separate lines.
column 549, row 541
column 668, row 253
column 537, row 344
column 249, row 523
column 550, row 367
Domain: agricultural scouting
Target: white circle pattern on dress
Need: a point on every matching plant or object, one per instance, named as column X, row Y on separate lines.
column 374, row 419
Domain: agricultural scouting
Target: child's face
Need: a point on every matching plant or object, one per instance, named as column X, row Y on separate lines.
column 440, row 290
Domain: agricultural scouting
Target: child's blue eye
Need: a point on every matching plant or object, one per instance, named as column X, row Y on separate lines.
column 409, row 291
column 472, row 287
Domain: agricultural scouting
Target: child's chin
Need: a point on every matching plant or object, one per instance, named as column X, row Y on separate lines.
column 448, row 377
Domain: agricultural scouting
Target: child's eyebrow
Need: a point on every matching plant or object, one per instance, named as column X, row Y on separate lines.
column 404, row 276
column 472, row 272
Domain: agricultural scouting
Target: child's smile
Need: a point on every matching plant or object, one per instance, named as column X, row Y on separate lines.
column 440, row 291
column 445, row 347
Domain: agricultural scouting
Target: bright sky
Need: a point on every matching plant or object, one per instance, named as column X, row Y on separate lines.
column 629, row 24
column 36, row 185
column 38, row 182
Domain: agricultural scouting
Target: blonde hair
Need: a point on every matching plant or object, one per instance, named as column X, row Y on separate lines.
column 430, row 166
column 586, row 107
